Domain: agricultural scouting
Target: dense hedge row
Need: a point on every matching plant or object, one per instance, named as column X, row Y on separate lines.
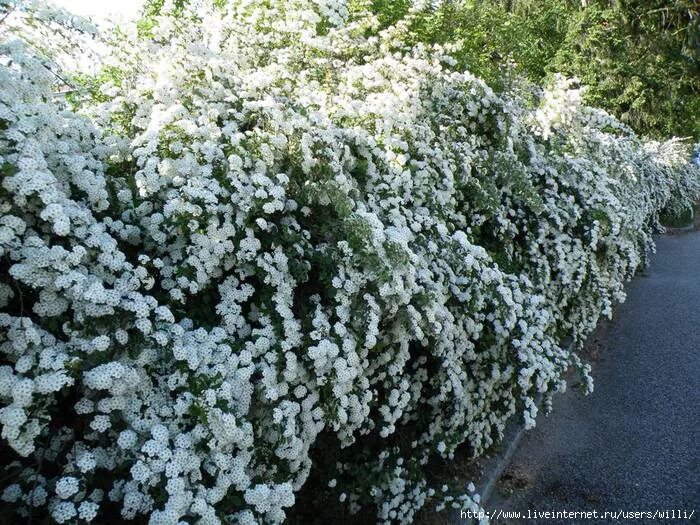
column 269, row 234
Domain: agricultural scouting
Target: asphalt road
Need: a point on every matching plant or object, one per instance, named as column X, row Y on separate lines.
column 634, row 443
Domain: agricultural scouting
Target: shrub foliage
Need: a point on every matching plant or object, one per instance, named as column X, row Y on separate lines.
column 267, row 231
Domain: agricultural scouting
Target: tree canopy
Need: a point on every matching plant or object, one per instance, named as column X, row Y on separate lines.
column 640, row 59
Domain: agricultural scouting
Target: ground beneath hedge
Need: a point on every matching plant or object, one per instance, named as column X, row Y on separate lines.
column 632, row 445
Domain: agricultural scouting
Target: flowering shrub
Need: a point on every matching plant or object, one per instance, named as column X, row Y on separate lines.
column 271, row 233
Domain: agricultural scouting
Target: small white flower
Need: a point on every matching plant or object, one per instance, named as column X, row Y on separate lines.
column 66, row 487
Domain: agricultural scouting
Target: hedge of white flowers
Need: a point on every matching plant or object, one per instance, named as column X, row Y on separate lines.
column 272, row 233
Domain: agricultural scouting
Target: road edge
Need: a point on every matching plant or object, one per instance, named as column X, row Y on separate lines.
column 495, row 464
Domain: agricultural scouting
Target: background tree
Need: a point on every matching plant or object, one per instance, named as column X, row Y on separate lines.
column 640, row 59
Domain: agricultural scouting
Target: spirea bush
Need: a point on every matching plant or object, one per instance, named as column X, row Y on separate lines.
column 267, row 233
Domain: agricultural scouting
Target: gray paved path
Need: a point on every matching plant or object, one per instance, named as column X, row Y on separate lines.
column 634, row 444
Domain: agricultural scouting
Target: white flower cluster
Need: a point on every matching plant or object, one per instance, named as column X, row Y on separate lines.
column 269, row 237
